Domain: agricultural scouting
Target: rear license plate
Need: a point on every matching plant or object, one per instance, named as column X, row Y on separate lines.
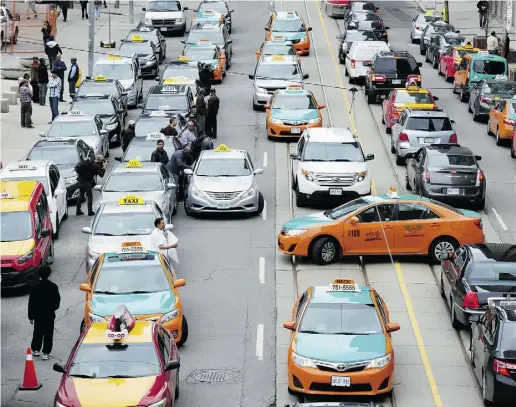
column 163, row 29
column 428, row 140
column 335, row 191
column 453, row 191
column 222, row 206
column 396, row 81
column 508, row 305
column 295, row 130
column 340, row 381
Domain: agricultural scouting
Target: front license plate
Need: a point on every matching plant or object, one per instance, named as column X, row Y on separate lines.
column 508, row 305
column 340, row 381
column 396, row 81
column 452, row 191
column 222, row 206
column 335, row 191
column 428, row 140
column 163, row 29
column 295, row 130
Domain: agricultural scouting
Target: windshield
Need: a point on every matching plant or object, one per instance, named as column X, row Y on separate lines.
column 346, row 209
column 104, row 88
column 124, row 224
column 115, row 360
column 275, row 49
column 129, row 276
column 403, row 66
column 441, row 28
column 339, row 152
column 364, row 17
column 102, row 107
column 73, row 128
column 163, row 6
column 41, row 180
column 141, row 48
column 344, row 319
column 408, row 98
column 229, row 167
column 360, row 36
column 181, row 71
column 142, row 150
column 114, row 71
column 427, row 124
column 215, row 37
column 452, row 41
column 500, row 88
column 445, row 160
column 167, row 102
column 144, row 127
column 294, row 102
column 278, row 71
column 201, row 54
column 60, row 155
column 489, row 67
column 215, row 6
column 15, row 226
column 431, row 19
column 134, row 182
column 291, row 26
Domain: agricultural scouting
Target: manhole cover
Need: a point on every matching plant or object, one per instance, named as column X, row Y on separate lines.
column 211, row 376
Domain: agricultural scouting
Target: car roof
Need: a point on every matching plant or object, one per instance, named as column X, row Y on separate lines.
column 204, row 45
column 142, row 332
column 489, row 252
column 321, row 295
column 148, row 167
column 395, row 54
column 74, row 117
column 114, row 207
column 22, row 192
column 121, row 59
column 482, row 55
column 56, row 142
column 455, row 149
column 330, row 134
column 93, row 80
column 26, row 167
column 426, row 113
column 287, row 15
column 212, row 154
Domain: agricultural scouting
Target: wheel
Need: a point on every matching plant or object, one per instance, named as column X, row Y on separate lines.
column 346, row 72
column 371, row 97
column 383, row 119
column 412, row 40
column 469, row 108
column 58, row 223
column 393, row 149
column 351, row 80
column 499, row 141
column 342, row 61
column 50, row 255
column 512, row 152
column 256, row 107
column 463, row 97
column 426, row 57
column 184, row 332
column 439, row 70
column 294, row 183
column 261, row 205
column 454, row 89
column 481, row 205
column 399, row 160
column 446, row 77
column 187, row 211
column 434, row 63
column 15, row 38
column 388, row 130
column 407, row 183
column 474, row 115
column 456, row 324
column 441, row 245
column 174, row 209
column 325, row 250
column 176, row 392
column 442, row 287
column 300, row 200
column 65, row 216
column 422, row 51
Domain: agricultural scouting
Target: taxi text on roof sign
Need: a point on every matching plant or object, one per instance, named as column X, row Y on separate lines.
column 75, row 113
column 171, row 88
column 24, row 167
column 278, row 39
column 155, row 136
column 278, row 58
column 136, row 38
column 131, row 247
column 120, row 324
column 393, row 194
column 158, row 113
column 294, row 87
column 6, row 195
column 100, row 78
column 178, row 80
column 131, row 200
column 202, row 41
column 134, row 164
column 340, row 285
column 222, row 149
column 113, row 57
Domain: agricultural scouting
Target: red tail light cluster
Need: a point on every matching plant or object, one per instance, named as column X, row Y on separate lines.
column 503, row 367
column 413, row 78
column 427, row 176
column 471, row 300
column 453, row 139
column 483, row 99
column 378, row 78
column 478, row 223
column 404, row 137
column 418, row 27
column 353, row 63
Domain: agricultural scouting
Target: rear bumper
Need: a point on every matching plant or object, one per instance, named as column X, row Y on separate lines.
column 504, row 389
column 463, row 314
column 468, row 195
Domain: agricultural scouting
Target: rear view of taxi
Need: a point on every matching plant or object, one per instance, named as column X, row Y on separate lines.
column 207, row 16
column 502, row 121
column 120, row 362
column 205, row 52
column 277, row 46
column 340, row 342
column 292, row 110
column 142, row 280
column 291, row 26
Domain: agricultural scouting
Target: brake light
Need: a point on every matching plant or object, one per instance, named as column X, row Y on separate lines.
column 418, row 27
column 427, row 176
column 483, row 99
column 503, row 367
column 353, row 63
column 471, row 300
column 378, row 78
column 509, row 122
column 478, row 223
column 453, row 139
column 480, row 176
column 404, row 137
column 453, row 172
column 414, row 78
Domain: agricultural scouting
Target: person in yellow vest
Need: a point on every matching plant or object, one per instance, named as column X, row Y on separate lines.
column 73, row 76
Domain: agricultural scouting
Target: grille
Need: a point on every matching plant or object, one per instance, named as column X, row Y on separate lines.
column 340, row 367
column 337, row 180
column 8, row 270
column 300, row 123
column 354, row 388
column 223, row 196
column 271, row 90
column 161, row 22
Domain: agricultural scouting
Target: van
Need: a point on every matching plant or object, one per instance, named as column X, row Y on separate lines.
column 26, row 243
column 166, row 16
column 360, row 52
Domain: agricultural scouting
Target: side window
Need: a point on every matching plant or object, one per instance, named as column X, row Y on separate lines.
column 53, row 180
column 94, row 272
column 381, row 308
column 301, row 146
column 463, row 65
column 414, row 212
column 162, row 344
column 370, row 215
column 302, row 302
column 38, row 222
column 98, row 122
column 58, row 175
column 164, row 172
column 42, row 209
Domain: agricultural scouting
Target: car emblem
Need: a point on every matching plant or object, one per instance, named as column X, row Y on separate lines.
column 341, row 367
column 336, row 179
column 296, row 122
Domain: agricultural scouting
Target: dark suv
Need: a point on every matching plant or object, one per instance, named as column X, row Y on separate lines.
column 390, row 69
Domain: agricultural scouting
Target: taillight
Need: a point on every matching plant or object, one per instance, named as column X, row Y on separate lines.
column 427, row 176
column 509, row 122
column 453, row 139
column 378, row 78
column 404, row 137
column 483, row 99
column 478, row 223
column 503, row 367
column 413, row 78
column 353, row 63
column 418, row 27
column 471, row 300
column 480, row 178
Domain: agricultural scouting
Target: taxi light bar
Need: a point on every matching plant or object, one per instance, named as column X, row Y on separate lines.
column 342, row 285
column 6, row 195
column 112, row 57
column 136, row 38
column 120, row 324
column 223, row 149
column 100, row 78
column 131, row 200
column 131, row 247
column 413, row 78
column 77, row 112
column 158, row 113
column 134, row 164
column 393, row 194
column 155, row 136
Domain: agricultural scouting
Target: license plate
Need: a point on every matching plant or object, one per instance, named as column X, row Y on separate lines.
column 163, row 29
column 222, row 206
column 453, row 191
column 340, row 381
column 508, row 305
column 428, row 140
column 295, row 130
column 335, row 191
column 396, row 81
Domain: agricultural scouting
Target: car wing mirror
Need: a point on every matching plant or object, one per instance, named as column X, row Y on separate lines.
column 85, row 287
column 86, row 230
column 118, row 159
column 59, row 368
column 42, row 134
column 258, row 171
column 392, row 327
column 45, row 232
column 290, row 325
column 171, row 185
column 172, row 365
column 386, row 28
column 306, row 76
column 144, row 8
column 452, row 121
column 436, row 98
column 369, row 157
column 251, row 76
column 179, row 283
column 294, row 156
column 309, row 29
column 188, row 171
column 478, row 157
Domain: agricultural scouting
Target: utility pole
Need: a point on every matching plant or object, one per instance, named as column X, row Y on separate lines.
column 91, row 37
column 447, row 11
column 131, row 11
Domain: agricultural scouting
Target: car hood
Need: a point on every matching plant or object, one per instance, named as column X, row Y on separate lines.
column 341, row 348
column 277, row 83
column 289, row 36
column 67, row 170
column 223, row 184
column 156, row 196
column 161, row 15
column 126, row 83
column 17, row 248
column 307, row 221
column 106, row 244
column 161, row 302
column 295, row 114
column 332, row 167
column 92, row 141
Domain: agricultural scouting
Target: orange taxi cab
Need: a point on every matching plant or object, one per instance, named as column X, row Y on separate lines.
column 206, row 52
column 290, row 26
column 340, row 342
column 449, row 61
column 502, row 121
column 278, row 46
column 379, row 225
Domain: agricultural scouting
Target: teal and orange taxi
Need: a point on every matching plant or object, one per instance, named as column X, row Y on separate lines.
column 144, row 281
column 292, row 110
column 120, row 362
column 207, row 16
column 340, row 342
column 290, row 26
column 206, row 52
column 277, row 46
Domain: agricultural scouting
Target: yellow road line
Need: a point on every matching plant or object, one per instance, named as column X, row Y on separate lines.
column 401, row 278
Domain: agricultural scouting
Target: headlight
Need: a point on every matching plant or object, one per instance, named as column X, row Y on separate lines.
column 250, row 192
column 96, row 318
column 70, row 180
column 295, row 232
column 179, row 21
column 149, row 62
column 379, row 363
column 162, row 403
column 303, row 39
column 148, row 21
column 93, row 255
column 314, row 121
column 361, row 176
column 309, row 176
column 276, row 121
column 111, row 127
column 169, row 316
column 25, row 257
column 301, row 361
column 197, row 193
column 260, row 90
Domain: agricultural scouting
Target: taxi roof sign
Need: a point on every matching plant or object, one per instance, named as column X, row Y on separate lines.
column 24, row 167
column 6, row 195
column 343, row 285
column 155, row 136
column 278, row 39
column 393, row 194
column 100, row 78
column 120, row 324
column 75, row 113
column 158, row 113
column 204, row 41
column 412, row 87
column 113, row 57
column 429, row 12
column 134, row 164
column 131, row 200
column 183, row 58
column 468, row 46
column 136, row 38
column 178, row 80
column 278, row 58
column 131, row 248
column 223, row 149
column 294, row 87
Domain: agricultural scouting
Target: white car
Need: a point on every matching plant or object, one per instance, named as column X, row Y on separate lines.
column 46, row 173
column 360, row 52
column 166, row 15
column 420, row 22
column 328, row 163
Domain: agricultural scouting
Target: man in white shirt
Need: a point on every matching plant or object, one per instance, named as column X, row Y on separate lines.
column 159, row 239
column 492, row 43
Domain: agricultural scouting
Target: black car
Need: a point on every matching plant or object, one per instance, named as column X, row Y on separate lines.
column 219, row 6
column 474, row 273
column 390, row 69
column 437, row 27
column 439, row 44
column 179, row 69
column 103, row 86
column 109, row 110
column 146, row 53
column 359, row 6
column 217, row 34
column 155, row 36
column 486, row 94
column 155, row 121
column 170, row 99
column 446, row 172
column 493, row 351
column 346, row 41
column 141, row 148
column 362, row 20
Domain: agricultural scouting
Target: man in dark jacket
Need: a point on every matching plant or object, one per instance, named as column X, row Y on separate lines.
column 170, row 130
column 43, row 81
column 60, row 68
column 160, row 155
column 52, row 48
column 64, row 8
column 482, row 7
column 73, row 76
column 86, row 171
column 34, row 80
column 201, row 111
column 213, row 111
column 44, row 301
column 177, row 164
column 128, row 134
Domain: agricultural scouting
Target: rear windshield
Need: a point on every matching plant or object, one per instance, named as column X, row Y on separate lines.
column 443, row 160
column 502, row 88
column 400, row 65
column 364, row 17
column 441, row 28
column 497, row 271
column 412, row 98
column 360, row 36
column 431, row 19
column 489, row 67
column 428, row 124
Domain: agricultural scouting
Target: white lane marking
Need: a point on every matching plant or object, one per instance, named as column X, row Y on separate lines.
column 264, row 160
column 500, row 220
column 264, row 212
column 259, row 341
column 261, row 270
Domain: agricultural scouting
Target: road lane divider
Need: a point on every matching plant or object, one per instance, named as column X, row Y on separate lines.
column 259, row 341
column 261, row 270
column 264, row 212
column 265, row 160
column 499, row 219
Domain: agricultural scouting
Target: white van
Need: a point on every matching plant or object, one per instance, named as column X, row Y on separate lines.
column 166, row 15
column 360, row 52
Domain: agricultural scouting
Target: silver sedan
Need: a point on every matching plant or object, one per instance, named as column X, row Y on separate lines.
column 420, row 22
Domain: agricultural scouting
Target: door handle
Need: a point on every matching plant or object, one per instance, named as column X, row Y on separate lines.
column 387, row 227
column 435, row 225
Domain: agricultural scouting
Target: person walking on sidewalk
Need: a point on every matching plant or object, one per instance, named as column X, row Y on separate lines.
column 482, row 7
column 73, row 76
column 42, row 81
column 26, row 104
column 84, row 9
column 54, row 85
column 64, row 8
column 60, row 67
column 31, row 5
column 44, row 301
column 52, row 49
column 47, row 33
column 492, row 44
column 34, row 80
column 98, row 4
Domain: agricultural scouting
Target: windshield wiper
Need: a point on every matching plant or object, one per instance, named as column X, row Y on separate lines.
column 310, row 332
column 315, row 160
column 133, row 234
column 136, row 292
column 106, row 292
column 342, row 160
column 349, row 333
column 84, row 376
column 121, row 376
column 104, row 234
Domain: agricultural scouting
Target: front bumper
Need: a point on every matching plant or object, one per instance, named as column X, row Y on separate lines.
column 303, row 46
column 288, row 130
column 294, row 245
column 12, row 278
column 168, row 27
column 463, row 314
column 466, row 194
column 313, row 191
column 204, row 204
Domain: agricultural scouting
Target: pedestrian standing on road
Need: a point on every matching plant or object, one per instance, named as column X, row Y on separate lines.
column 213, row 111
column 44, row 301
column 170, row 130
column 482, row 7
column 60, row 67
column 98, row 4
column 187, row 135
column 73, row 76
column 492, row 44
column 201, row 111
column 160, row 155
column 64, row 8
column 178, row 163
column 52, row 49
column 86, row 171
column 26, row 105
column 47, row 33
column 31, row 5
column 128, row 134
column 84, row 9
column 54, row 86
column 506, row 45
column 34, row 80
column 42, row 81
column 159, row 240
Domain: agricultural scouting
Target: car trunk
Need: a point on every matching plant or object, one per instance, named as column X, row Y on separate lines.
column 494, row 288
column 454, row 177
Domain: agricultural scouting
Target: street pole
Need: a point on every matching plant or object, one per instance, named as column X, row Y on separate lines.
column 447, row 11
column 131, row 11
column 91, row 37
column 109, row 22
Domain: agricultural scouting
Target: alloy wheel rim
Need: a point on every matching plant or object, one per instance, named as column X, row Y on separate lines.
column 328, row 251
column 442, row 248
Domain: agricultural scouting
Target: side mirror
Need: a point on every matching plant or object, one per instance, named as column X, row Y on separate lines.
column 321, row 106
column 188, row 171
column 386, row 28
column 290, row 325
column 392, row 327
column 59, row 191
column 85, row 287
column 419, row 64
column 58, row 368
column 474, row 319
column 452, row 121
column 97, row 187
column 258, row 53
column 183, row 42
column 444, row 256
column 118, row 159
column 457, row 31
column 267, row 106
column 45, row 232
column 294, row 156
column 353, row 220
column 251, row 76
column 309, row 29
column 144, row 8
column 266, row 28
column 179, row 283
column 478, row 157
column 230, row 42
column 172, row 365
column 436, row 97
column 258, row 171
column 338, row 37
column 42, row 134
column 409, row 155
column 156, row 78
column 86, row 230
column 369, row 157
column 306, row 76
column 185, row 8
column 232, row 11
column 378, row 8
column 169, row 226
column 124, row 93
column 171, row 185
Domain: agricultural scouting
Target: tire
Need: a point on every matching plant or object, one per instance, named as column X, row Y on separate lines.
column 58, row 224
column 422, row 51
column 176, row 392
column 383, row 119
column 393, row 149
column 184, row 332
column 325, row 250
column 455, row 323
column 300, row 200
column 483, row 385
column 399, row 160
column 15, row 38
column 488, row 127
column 346, row 72
column 50, row 257
column 294, row 183
column 474, row 115
column 83, row 325
column 481, row 205
column 463, row 97
column 388, row 130
column 187, row 211
column 351, row 80
column 412, row 40
column 261, row 205
column 512, row 153
column 256, row 108
column 426, row 57
column 342, row 61
column 434, row 63
column 469, row 108
column 446, row 77
column 371, row 97
column 439, row 245
column 174, row 209
column 439, row 71
column 65, row 216
column 499, row 141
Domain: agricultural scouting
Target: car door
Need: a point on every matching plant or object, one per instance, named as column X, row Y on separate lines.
column 299, row 153
column 123, row 95
column 450, row 269
column 445, row 60
column 473, row 93
column 51, row 197
column 164, row 349
column 487, row 335
column 60, row 194
column 40, row 216
column 460, row 73
column 412, row 169
column 495, row 116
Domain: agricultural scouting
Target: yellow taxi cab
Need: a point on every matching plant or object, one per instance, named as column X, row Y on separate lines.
column 143, row 280
column 204, row 51
column 290, row 26
column 502, row 120
column 340, row 342
column 292, row 110
column 381, row 225
column 120, row 362
column 277, row 46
